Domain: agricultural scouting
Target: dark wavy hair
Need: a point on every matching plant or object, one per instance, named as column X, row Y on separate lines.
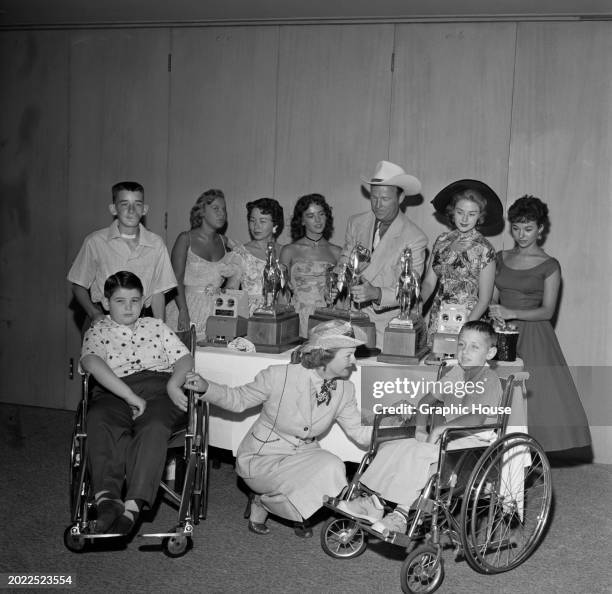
column 271, row 207
column 122, row 280
column 471, row 195
column 208, row 197
column 297, row 228
column 529, row 209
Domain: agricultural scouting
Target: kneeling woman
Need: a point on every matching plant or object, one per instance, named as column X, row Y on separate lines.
column 280, row 458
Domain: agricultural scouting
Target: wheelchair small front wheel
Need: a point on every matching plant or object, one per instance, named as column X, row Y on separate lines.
column 176, row 545
column 74, row 542
column 341, row 538
column 423, row 571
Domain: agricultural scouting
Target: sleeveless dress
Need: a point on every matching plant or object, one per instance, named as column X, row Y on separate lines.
column 202, row 281
column 252, row 275
column 555, row 415
column 308, row 278
column 458, row 272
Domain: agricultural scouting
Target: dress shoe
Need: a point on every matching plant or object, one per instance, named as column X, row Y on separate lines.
column 367, row 507
column 107, row 512
column 302, row 530
column 255, row 505
column 258, row 528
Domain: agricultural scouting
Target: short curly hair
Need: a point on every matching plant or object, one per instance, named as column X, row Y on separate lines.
column 297, row 228
column 529, row 209
column 315, row 358
column 471, row 195
column 271, row 207
column 208, row 197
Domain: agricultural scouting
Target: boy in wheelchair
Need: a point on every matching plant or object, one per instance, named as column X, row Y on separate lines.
column 139, row 366
column 470, row 394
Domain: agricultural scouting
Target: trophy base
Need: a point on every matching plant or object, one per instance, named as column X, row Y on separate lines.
column 223, row 329
column 445, row 343
column 324, row 314
column 404, row 345
column 274, row 333
column 274, row 310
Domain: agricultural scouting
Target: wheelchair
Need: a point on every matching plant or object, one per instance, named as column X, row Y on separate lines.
column 490, row 503
column 191, row 498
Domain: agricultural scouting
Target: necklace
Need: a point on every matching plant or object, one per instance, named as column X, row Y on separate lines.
column 315, row 242
column 126, row 236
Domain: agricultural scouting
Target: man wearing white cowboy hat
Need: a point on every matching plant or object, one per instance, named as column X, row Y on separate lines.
column 280, row 458
column 385, row 230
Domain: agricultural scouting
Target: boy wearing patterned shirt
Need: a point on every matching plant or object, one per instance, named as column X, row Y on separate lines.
column 139, row 366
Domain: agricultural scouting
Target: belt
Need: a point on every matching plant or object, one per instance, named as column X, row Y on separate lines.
column 306, row 440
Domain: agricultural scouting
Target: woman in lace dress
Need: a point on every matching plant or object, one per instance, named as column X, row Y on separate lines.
column 266, row 222
column 203, row 261
column 310, row 255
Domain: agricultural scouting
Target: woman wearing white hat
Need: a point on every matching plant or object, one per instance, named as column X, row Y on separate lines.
column 280, row 458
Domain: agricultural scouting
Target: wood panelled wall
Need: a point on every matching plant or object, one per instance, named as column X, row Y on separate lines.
column 286, row 110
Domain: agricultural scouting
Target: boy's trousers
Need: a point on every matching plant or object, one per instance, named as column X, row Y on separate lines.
column 120, row 447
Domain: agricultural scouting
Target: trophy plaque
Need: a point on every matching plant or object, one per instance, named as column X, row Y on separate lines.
column 451, row 318
column 274, row 327
column 405, row 340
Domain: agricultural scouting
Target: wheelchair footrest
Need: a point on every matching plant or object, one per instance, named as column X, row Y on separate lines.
column 94, row 536
column 187, row 530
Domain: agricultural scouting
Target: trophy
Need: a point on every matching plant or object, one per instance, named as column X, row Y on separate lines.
column 334, row 296
column 349, row 277
column 405, row 339
column 274, row 327
column 357, row 263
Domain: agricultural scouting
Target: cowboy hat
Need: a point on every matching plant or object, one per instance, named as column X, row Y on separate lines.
column 333, row 334
column 389, row 174
column 494, row 215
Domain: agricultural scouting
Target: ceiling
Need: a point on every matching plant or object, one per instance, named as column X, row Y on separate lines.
column 57, row 13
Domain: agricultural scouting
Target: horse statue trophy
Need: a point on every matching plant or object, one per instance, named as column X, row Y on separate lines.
column 274, row 327
column 405, row 339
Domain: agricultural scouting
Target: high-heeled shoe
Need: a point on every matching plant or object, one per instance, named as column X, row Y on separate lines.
column 255, row 527
column 302, row 530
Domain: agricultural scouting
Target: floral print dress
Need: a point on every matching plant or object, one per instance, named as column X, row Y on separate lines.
column 458, row 272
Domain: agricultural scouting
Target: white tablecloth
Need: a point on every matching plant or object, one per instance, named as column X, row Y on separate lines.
column 233, row 368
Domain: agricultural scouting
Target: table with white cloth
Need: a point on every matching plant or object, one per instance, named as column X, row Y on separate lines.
column 234, row 368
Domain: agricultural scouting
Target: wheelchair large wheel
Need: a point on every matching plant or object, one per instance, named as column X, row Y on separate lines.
column 423, row 571
column 341, row 538
column 77, row 469
column 506, row 504
column 199, row 498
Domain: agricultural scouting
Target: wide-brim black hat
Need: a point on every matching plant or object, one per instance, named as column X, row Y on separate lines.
column 494, row 217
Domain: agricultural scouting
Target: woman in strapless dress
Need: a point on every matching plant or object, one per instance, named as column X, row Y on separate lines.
column 310, row 255
column 527, row 285
column 203, row 261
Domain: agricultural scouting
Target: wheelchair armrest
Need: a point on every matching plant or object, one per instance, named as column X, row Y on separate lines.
column 382, row 434
column 451, row 433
